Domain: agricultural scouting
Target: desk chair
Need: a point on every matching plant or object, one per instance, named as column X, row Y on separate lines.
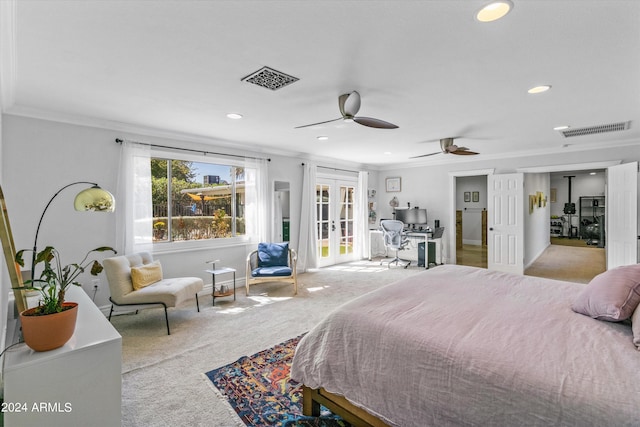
column 394, row 238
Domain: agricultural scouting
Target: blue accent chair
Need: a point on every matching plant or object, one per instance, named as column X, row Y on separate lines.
column 272, row 262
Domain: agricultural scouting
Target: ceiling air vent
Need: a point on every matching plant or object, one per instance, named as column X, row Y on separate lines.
column 270, row 78
column 592, row 130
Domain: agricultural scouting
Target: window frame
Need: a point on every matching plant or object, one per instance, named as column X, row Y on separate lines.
column 172, row 246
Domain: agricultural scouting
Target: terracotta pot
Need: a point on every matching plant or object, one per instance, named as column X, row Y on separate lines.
column 43, row 333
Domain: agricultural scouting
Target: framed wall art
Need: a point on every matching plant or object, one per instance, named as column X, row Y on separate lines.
column 475, row 196
column 393, row 185
column 467, row 196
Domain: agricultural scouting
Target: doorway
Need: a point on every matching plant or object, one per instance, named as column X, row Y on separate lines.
column 471, row 221
column 281, row 211
column 335, row 202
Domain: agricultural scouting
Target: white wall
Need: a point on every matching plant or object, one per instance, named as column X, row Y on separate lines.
column 40, row 157
column 5, row 286
column 536, row 223
column 428, row 185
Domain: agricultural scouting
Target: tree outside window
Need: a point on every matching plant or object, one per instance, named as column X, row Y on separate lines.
column 196, row 200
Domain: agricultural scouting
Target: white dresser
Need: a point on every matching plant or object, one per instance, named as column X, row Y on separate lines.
column 78, row 384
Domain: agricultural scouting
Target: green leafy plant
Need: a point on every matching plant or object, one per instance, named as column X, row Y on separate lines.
column 56, row 278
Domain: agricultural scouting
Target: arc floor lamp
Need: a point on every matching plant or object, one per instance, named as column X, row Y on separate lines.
column 93, row 199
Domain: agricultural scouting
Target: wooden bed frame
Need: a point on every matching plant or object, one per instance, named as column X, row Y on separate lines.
column 357, row 417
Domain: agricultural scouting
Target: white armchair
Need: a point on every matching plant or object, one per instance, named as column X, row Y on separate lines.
column 136, row 281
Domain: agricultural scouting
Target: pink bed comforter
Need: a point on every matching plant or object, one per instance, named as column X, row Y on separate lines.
column 460, row 346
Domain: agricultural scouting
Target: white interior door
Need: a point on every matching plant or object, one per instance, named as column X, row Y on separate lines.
column 336, row 204
column 622, row 215
column 505, row 241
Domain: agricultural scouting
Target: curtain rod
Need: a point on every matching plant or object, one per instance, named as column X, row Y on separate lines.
column 120, row 141
column 335, row 169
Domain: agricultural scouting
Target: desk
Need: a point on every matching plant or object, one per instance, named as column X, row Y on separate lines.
column 376, row 246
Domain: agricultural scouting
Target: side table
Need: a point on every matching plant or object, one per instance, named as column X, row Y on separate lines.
column 223, row 291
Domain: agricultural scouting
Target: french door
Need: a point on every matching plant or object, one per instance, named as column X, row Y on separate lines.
column 335, row 203
column 505, row 249
column 622, row 215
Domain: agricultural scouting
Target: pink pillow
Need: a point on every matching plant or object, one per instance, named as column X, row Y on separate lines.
column 612, row 295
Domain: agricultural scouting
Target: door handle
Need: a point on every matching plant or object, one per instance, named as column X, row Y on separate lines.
column 490, row 228
column 333, row 226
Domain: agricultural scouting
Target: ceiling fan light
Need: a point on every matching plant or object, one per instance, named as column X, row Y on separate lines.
column 494, row 11
column 348, row 119
column 234, row 116
column 563, row 127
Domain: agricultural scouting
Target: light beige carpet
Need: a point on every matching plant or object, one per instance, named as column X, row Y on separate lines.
column 162, row 376
column 570, row 263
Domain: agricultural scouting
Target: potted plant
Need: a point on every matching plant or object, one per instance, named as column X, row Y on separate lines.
column 52, row 323
column 159, row 230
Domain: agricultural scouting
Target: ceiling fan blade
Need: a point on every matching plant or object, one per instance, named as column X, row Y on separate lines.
column 374, row 123
column 319, row 123
column 425, row 155
column 349, row 104
column 464, row 152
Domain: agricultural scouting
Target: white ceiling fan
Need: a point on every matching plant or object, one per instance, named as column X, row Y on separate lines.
column 448, row 147
column 349, row 104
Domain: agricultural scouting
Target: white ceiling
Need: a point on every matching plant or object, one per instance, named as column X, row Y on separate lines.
column 175, row 68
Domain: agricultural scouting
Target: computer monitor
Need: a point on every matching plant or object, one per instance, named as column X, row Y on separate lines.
column 412, row 218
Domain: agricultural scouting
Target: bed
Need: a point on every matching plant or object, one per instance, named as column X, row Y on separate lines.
column 457, row 345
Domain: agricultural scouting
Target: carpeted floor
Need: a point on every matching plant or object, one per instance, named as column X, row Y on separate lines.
column 570, row 263
column 162, row 375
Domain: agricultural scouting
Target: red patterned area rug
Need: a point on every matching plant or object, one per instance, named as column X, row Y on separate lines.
column 261, row 391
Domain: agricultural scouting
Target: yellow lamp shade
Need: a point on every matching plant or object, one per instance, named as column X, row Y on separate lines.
column 94, row 199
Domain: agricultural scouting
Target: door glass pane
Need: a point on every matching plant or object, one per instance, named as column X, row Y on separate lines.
column 322, row 203
column 346, row 219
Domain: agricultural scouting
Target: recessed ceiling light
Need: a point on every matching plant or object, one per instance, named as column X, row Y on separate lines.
column 494, row 11
column 539, row 89
column 322, row 138
column 387, row 153
column 234, row 116
column 561, row 127
column 592, row 173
